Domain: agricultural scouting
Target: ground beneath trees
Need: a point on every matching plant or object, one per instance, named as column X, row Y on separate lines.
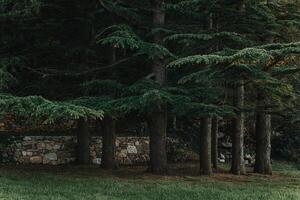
column 79, row 182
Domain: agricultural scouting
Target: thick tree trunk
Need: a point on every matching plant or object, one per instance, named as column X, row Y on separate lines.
column 157, row 121
column 214, row 142
column 158, row 157
column 83, row 142
column 238, row 165
column 263, row 139
column 205, row 146
column 109, row 143
column 263, row 131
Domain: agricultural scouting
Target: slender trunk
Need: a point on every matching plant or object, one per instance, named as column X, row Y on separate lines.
column 263, row 139
column 109, row 143
column 83, row 142
column 158, row 120
column 210, row 22
column 205, row 146
column 210, row 27
column 175, row 123
column 158, row 156
column 214, row 142
column 113, row 59
column 238, row 165
column 214, row 122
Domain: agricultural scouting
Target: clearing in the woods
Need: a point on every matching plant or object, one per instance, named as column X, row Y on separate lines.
column 91, row 183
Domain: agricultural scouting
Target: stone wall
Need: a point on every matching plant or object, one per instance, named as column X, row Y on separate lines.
column 55, row 150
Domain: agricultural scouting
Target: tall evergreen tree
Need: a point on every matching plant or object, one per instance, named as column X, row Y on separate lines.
column 238, row 165
column 93, row 60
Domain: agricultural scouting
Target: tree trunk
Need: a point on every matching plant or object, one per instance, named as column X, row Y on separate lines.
column 158, row 66
column 113, row 60
column 205, row 146
column 214, row 142
column 158, row 156
column 83, row 142
column 109, row 143
column 238, row 165
column 157, row 121
column 214, row 122
column 263, row 139
column 263, row 131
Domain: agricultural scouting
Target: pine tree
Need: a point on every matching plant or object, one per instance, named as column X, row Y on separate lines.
column 210, row 38
column 238, row 165
column 106, row 60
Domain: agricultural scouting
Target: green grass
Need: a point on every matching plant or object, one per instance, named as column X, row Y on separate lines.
column 78, row 183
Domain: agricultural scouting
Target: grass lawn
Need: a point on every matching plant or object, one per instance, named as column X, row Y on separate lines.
column 78, row 183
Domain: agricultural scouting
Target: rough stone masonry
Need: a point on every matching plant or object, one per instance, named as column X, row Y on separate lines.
column 55, row 150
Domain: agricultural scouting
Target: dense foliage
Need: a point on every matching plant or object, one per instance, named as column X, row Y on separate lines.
column 72, row 60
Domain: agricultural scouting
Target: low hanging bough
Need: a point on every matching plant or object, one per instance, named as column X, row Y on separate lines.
column 38, row 110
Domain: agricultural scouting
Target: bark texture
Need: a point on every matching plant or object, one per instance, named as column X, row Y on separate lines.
column 263, row 130
column 83, row 142
column 157, row 121
column 158, row 156
column 109, row 143
column 238, row 165
column 263, row 139
column 205, row 146
column 214, row 142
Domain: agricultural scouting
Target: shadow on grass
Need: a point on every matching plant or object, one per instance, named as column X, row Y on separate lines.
column 283, row 172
